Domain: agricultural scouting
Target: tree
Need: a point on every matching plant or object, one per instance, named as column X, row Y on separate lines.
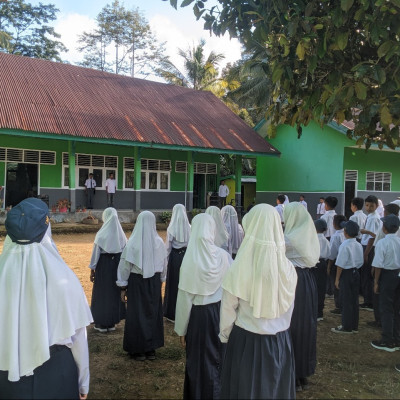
column 136, row 48
column 327, row 59
column 23, row 30
column 200, row 73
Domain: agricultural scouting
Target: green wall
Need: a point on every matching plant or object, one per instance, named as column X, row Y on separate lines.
column 50, row 175
column 313, row 163
column 373, row 160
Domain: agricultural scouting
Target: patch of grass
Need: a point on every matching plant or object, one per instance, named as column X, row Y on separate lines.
column 171, row 353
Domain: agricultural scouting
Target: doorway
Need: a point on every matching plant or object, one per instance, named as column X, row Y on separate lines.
column 350, row 185
column 199, row 191
column 21, row 182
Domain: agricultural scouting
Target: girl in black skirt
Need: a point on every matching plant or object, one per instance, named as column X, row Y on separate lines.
column 303, row 250
column 107, row 307
column 178, row 233
column 256, row 308
column 198, row 307
column 43, row 314
column 141, row 270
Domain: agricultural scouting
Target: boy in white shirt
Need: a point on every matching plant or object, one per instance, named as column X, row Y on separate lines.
column 279, row 205
column 358, row 216
column 111, row 186
column 387, row 283
column 330, row 205
column 348, row 261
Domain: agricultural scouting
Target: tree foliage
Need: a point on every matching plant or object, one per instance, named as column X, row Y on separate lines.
column 23, row 30
column 326, row 59
column 127, row 35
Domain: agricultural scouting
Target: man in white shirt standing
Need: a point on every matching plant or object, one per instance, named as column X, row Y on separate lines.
column 302, row 201
column 110, row 189
column 90, row 186
column 223, row 193
column 321, row 207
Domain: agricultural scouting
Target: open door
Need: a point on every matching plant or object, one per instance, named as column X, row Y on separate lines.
column 21, row 182
column 350, row 190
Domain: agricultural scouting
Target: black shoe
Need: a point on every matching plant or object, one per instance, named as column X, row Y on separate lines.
column 378, row 344
column 304, row 383
column 138, row 356
column 336, row 311
column 366, row 306
column 299, row 388
column 397, row 344
column 100, row 328
column 340, row 329
column 150, row 355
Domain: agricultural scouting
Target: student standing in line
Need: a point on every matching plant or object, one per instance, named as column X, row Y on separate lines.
column 141, row 270
column 336, row 240
column 43, row 314
column 279, row 206
column 107, row 307
column 321, row 207
column 221, row 234
column 373, row 225
column 111, row 186
column 358, row 216
column 198, row 310
column 330, row 205
column 387, row 283
column 302, row 201
column 302, row 249
column 235, row 231
column 223, row 193
column 178, row 233
column 90, row 190
column 348, row 261
column 256, row 309
column 320, row 270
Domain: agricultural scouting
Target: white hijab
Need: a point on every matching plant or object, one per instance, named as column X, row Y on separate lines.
column 380, row 209
column 230, row 218
column 204, row 264
column 261, row 274
column 41, row 303
column 179, row 227
column 286, row 200
column 145, row 248
column 302, row 246
column 221, row 234
column 111, row 237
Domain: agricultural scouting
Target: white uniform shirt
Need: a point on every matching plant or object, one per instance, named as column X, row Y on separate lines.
column 372, row 224
column 184, row 303
column 328, row 217
column 336, row 240
column 304, row 203
column 321, row 209
column 324, row 245
column 279, row 208
column 237, row 311
column 111, row 185
column 387, row 252
column 90, row 183
column 223, row 191
column 350, row 254
column 359, row 218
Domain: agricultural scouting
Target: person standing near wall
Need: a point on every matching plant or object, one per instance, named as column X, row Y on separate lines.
column 90, row 190
column 321, row 207
column 223, row 193
column 111, row 186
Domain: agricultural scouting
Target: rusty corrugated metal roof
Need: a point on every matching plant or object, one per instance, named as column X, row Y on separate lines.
column 61, row 99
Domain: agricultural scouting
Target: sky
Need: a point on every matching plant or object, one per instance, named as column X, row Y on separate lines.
column 178, row 28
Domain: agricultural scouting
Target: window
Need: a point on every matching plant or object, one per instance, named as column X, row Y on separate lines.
column 129, row 172
column 155, row 174
column 27, row 156
column 199, row 168
column 379, row 181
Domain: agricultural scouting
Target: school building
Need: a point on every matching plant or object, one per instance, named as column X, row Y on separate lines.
column 323, row 162
column 60, row 122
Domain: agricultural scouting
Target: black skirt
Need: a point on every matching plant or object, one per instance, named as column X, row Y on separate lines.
column 144, row 329
column 171, row 286
column 57, row 378
column 258, row 366
column 107, row 307
column 303, row 326
column 203, row 353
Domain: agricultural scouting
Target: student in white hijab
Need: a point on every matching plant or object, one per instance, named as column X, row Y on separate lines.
column 221, row 234
column 380, row 209
column 235, row 231
column 286, row 202
column 141, row 270
column 303, row 250
column 198, row 307
column 257, row 305
column 178, row 233
column 43, row 314
column 107, row 307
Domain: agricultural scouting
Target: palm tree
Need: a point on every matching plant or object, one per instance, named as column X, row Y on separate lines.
column 200, row 73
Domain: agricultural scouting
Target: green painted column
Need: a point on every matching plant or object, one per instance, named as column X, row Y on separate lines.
column 190, row 180
column 238, row 181
column 138, row 177
column 71, row 169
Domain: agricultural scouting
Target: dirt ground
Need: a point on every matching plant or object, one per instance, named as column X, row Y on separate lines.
column 347, row 366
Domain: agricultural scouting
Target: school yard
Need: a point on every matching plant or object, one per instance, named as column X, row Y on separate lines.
column 348, row 367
